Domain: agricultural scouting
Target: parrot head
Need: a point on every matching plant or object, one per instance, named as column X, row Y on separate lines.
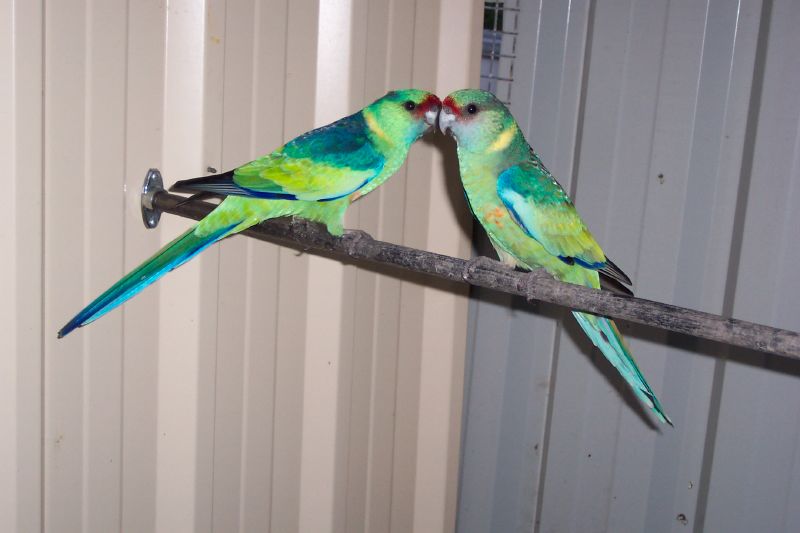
column 475, row 118
column 404, row 114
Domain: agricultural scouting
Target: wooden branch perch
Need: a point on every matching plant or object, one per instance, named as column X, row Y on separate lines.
column 484, row 272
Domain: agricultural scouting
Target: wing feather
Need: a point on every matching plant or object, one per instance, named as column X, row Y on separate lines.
column 541, row 207
column 324, row 164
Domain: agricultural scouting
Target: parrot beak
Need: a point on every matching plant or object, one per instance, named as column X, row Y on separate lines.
column 430, row 115
column 446, row 119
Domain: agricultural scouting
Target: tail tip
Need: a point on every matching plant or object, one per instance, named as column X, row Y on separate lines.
column 661, row 415
column 653, row 403
column 66, row 330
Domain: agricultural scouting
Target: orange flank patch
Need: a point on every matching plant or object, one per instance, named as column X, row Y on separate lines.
column 355, row 196
column 495, row 216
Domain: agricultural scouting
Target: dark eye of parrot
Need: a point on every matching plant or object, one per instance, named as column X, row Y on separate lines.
column 472, row 109
column 409, row 105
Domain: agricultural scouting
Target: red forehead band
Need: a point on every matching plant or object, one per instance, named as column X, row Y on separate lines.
column 449, row 102
column 430, row 101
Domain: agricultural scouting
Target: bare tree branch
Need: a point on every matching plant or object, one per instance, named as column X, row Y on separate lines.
column 485, row 272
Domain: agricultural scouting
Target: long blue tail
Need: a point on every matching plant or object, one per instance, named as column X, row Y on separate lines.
column 168, row 258
column 605, row 335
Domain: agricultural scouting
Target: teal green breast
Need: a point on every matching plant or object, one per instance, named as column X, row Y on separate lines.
column 393, row 162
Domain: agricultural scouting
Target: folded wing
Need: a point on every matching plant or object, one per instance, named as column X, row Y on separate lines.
column 543, row 210
column 324, row 164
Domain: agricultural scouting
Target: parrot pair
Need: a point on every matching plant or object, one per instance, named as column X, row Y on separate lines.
column 530, row 220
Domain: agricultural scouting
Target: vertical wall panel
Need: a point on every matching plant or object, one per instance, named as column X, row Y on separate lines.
column 373, row 29
column 254, row 388
column 444, row 312
column 669, row 122
column 510, row 381
column 754, row 475
column 387, row 57
column 230, row 34
column 21, row 359
column 329, row 330
column 65, row 267
column 301, row 43
column 430, row 367
column 369, row 43
column 580, row 452
column 184, row 300
column 104, row 160
column 146, row 34
column 267, row 87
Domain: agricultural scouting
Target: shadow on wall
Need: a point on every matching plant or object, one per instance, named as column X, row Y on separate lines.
column 455, row 192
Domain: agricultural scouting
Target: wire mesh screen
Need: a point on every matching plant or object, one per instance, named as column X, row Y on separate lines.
column 500, row 21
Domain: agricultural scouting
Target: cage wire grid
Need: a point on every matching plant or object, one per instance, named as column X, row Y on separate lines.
column 500, row 28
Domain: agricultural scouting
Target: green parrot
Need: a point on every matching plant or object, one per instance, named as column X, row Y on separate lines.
column 314, row 176
column 530, row 220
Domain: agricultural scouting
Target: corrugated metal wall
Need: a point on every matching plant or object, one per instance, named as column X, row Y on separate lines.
column 676, row 126
column 253, row 389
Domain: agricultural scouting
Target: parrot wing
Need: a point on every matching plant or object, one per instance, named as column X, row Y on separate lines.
column 540, row 206
column 322, row 165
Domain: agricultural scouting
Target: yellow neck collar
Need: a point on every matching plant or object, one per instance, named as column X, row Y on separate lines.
column 374, row 127
column 503, row 140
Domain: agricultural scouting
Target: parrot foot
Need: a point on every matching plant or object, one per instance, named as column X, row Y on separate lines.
column 534, row 278
column 479, row 263
column 354, row 241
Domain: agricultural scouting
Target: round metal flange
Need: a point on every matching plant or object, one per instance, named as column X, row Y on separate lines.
column 153, row 184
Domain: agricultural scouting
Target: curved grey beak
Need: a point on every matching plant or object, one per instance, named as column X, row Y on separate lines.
column 431, row 114
column 446, row 119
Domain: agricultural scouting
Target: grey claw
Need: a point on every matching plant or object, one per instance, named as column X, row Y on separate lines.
column 477, row 263
column 354, row 238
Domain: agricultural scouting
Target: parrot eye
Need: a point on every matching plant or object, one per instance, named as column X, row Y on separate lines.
column 472, row 109
column 409, row 105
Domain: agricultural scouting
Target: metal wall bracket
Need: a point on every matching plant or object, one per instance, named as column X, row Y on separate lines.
column 153, row 184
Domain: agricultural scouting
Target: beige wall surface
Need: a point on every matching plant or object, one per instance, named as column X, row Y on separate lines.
column 254, row 389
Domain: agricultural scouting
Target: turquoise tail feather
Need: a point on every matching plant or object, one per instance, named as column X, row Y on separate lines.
column 605, row 335
column 168, row 258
